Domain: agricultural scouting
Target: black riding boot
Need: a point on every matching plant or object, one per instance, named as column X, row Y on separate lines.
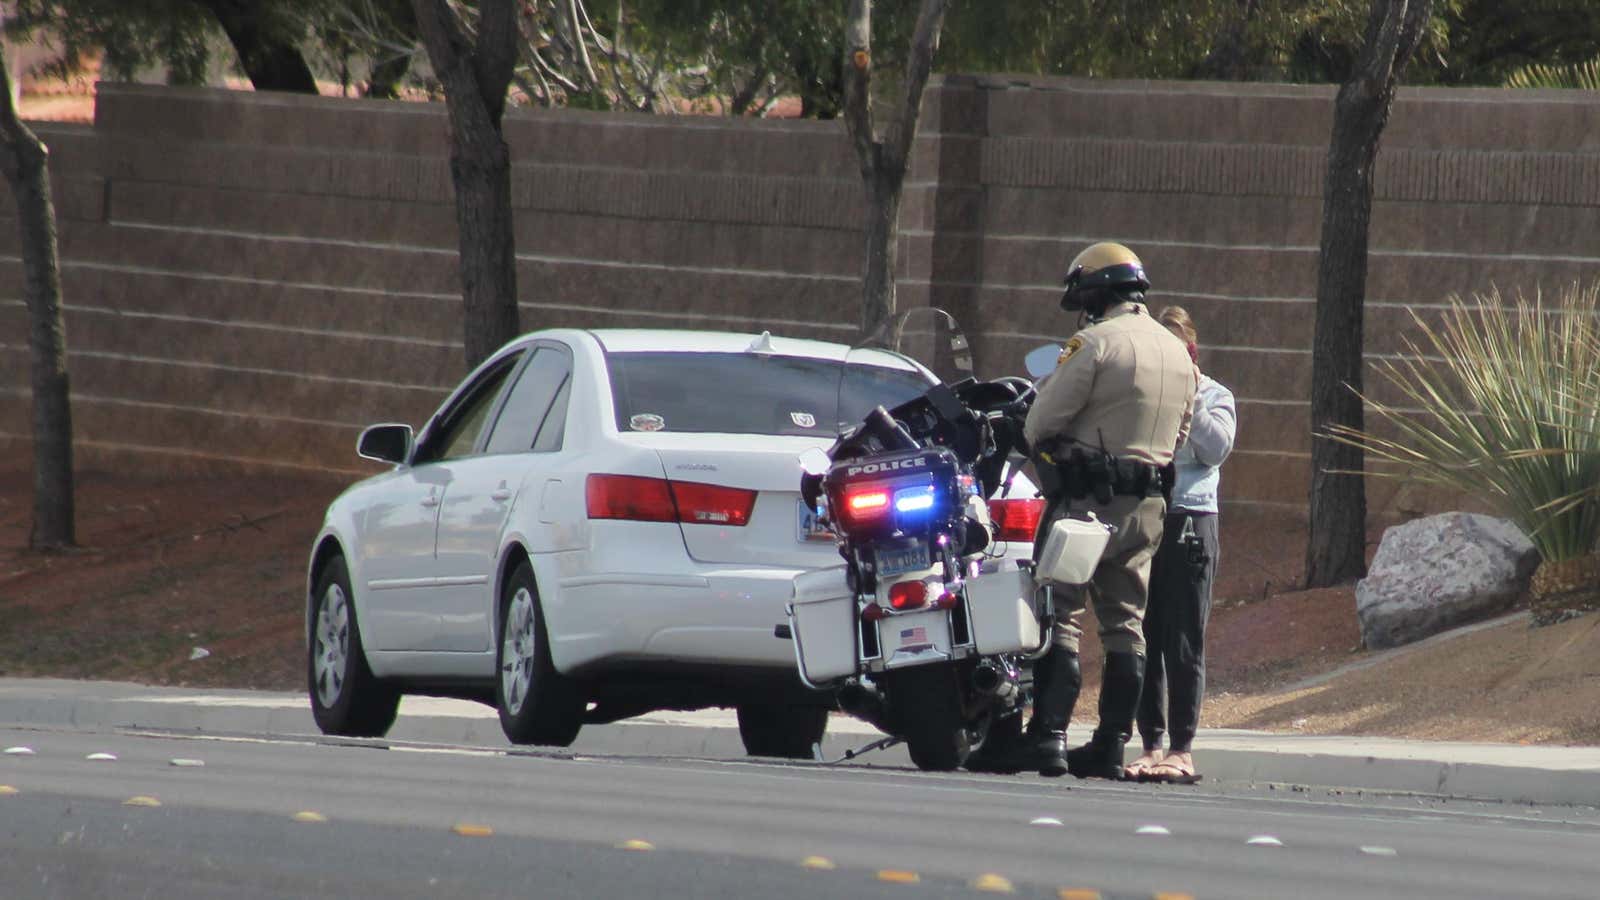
column 1119, row 700
column 1056, row 682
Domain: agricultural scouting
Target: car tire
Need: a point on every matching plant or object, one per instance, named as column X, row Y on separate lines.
column 926, row 701
column 537, row 704
column 346, row 698
column 781, row 730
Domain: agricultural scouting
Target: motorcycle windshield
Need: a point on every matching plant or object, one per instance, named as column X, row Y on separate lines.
column 926, row 336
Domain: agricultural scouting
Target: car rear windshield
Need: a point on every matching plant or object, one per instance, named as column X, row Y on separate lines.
column 748, row 393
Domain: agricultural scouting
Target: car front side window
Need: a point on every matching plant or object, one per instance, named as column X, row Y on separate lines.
column 458, row 430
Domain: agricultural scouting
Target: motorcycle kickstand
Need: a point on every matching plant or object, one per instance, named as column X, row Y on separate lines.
column 880, row 744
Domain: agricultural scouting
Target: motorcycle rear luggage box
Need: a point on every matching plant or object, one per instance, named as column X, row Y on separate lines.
column 823, row 620
column 1000, row 607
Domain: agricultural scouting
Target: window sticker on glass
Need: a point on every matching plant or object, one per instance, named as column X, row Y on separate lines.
column 803, row 419
column 647, row 422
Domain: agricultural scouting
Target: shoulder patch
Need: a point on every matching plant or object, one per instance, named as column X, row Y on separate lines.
column 1074, row 344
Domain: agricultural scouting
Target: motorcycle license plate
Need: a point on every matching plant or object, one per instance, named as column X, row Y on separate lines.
column 810, row 526
column 901, row 560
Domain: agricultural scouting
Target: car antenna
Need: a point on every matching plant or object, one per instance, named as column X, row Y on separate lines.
column 761, row 345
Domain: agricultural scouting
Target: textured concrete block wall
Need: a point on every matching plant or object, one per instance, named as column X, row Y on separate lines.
column 251, row 278
column 1218, row 187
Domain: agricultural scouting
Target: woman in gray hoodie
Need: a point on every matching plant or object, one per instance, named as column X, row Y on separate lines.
column 1180, row 581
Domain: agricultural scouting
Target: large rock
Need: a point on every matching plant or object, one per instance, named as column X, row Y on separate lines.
column 1439, row 572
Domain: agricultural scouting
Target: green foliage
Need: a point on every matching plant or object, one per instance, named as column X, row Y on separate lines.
column 131, row 35
column 1491, row 39
column 1501, row 405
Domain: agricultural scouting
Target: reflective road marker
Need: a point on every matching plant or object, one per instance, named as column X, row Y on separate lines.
column 820, row 863
column 309, row 816
column 642, row 846
column 993, row 884
column 141, row 800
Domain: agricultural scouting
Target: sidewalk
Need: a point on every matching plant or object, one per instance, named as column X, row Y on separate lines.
column 1496, row 772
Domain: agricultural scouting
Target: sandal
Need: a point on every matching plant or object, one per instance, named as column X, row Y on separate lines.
column 1174, row 768
column 1135, row 771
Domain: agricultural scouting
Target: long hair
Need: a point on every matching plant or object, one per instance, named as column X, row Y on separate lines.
column 1177, row 317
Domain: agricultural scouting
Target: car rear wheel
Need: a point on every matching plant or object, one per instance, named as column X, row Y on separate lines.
column 781, row 730
column 537, row 704
column 346, row 699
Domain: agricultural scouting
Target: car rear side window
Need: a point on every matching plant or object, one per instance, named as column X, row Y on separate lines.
column 539, row 388
column 749, row 393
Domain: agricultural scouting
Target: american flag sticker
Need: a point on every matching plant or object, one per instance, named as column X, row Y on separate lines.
column 917, row 635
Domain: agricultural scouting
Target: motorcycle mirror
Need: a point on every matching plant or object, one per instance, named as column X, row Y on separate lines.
column 1041, row 361
column 815, row 461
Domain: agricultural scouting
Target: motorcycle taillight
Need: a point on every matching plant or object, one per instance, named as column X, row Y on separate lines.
column 908, row 595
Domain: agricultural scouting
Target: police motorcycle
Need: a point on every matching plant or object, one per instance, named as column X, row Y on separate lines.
column 927, row 630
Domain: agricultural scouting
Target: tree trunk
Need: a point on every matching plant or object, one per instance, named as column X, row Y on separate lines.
column 272, row 62
column 26, row 165
column 1336, row 547
column 475, row 82
column 883, row 244
column 884, row 161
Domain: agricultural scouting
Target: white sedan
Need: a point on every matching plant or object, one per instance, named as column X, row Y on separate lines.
column 594, row 525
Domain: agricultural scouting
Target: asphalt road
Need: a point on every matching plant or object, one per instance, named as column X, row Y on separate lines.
column 448, row 822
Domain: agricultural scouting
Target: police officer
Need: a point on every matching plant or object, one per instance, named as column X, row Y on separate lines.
column 1103, row 428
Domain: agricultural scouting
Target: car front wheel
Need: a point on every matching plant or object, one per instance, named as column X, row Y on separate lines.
column 346, row 699
column 537, row 704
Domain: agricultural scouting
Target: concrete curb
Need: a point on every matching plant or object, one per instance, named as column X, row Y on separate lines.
column 1492, row 772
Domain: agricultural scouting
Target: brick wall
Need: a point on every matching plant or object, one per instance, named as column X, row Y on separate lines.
column 251, row 278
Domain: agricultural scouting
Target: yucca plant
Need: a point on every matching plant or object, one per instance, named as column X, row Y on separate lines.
column 1502, row 402
column 1580, row 76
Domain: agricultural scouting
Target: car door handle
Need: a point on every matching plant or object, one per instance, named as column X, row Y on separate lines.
column 502, row 495
column 431, row 500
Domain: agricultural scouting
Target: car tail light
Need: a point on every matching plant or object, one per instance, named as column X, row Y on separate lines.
column 908, row 595
column 643, row 499
column 630, row 497
column 710, row 504
column 1016, row 520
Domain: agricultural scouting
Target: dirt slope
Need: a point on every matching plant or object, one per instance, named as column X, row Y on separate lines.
column 171, row 564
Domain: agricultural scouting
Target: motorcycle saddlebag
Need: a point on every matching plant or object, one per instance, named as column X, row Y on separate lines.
column 822, row 620
column 1072, row 550
column 1000, row 606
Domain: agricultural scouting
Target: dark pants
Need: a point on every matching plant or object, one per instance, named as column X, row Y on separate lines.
column 1175, row 633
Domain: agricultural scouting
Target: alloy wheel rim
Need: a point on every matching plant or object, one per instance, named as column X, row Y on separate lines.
column 518, row 651
column 332, row 645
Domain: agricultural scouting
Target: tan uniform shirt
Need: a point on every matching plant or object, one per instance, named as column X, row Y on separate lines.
column 1124, row 380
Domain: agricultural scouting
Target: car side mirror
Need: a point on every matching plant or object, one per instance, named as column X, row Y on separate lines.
column 388, row 443
column 815, row 461
column 1041, row 361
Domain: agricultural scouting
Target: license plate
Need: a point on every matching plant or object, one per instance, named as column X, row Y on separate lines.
column 811, row 527
column 909, row 559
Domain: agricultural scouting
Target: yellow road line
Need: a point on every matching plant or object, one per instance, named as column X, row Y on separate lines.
column 141, row 800
column 818, row 862
column 898, row 876
column 6, row 790
column 309, row 816
column 635, row 844
column 466, row 830
column 993, row 884
column 1078, row 894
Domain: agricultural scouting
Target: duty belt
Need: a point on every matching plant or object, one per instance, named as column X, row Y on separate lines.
column 1082, row 474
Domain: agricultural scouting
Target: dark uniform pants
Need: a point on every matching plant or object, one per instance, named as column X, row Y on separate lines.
column 1175, row 629
column 1120, row 585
